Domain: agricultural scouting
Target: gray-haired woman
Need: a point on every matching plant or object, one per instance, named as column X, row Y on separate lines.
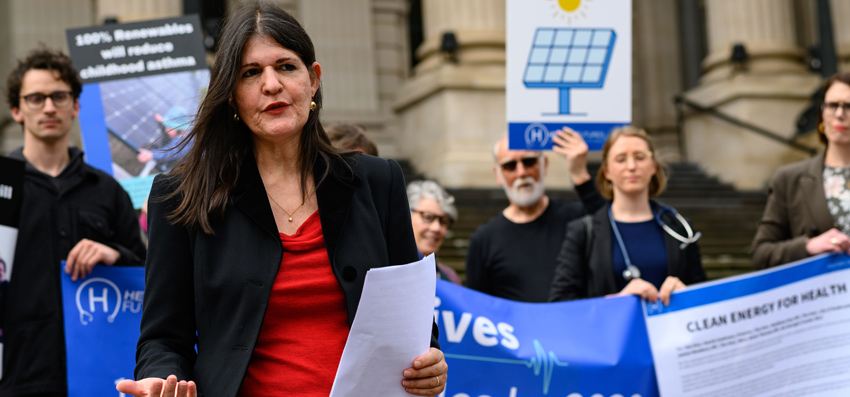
column 432, row 212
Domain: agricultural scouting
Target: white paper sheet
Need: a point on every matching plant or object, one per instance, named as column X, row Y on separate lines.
column 392, row 327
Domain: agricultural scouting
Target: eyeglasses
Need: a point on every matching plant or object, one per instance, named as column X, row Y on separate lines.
column 61, row 99
column 833, row 107
column 430, row 217
column 527, row 162
column 638, row 157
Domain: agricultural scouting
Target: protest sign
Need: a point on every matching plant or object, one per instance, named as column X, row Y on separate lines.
column 568, row 64
column 142, row 83
column 781, row 331
column 11, row 197
column 102, row 315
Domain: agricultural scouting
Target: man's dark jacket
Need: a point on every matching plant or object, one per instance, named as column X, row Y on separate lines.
column 82, row 202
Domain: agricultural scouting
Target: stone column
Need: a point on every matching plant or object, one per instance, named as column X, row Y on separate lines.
column 840, row 11
column 657, row 71
column 453, row 111
column 765, row 27
column 343, row 35
column 479, row 26
column 130, row 11
column 770, row 92
column 392, row 54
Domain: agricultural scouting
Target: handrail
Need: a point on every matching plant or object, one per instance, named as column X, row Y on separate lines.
column 679, row 99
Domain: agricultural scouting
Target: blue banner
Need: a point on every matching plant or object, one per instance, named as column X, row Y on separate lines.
column 497, row 347
column 539, row 136
column 102, row 317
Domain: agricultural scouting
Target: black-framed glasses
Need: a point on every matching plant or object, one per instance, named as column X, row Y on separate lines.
column 527, row 162
column 430, row 217
column 61, row 99
column 833, row 107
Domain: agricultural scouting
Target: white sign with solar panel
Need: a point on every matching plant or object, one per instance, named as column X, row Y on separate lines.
column 569, row 64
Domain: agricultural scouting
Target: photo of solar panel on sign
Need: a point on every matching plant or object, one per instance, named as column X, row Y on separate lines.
column 130, row 105
column 569, row 58
column 139, row 112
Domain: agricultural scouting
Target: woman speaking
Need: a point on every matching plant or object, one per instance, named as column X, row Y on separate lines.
column 261, row 237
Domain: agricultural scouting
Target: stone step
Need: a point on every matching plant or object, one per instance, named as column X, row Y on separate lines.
column 726, row 218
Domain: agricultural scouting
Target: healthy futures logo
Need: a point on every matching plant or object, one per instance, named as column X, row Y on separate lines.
column 102, row 296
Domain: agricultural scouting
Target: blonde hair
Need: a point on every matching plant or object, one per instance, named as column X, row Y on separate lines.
column 659, row 180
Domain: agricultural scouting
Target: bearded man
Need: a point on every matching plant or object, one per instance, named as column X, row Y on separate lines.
column 513, row 255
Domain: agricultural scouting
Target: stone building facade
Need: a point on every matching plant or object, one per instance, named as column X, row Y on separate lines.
column 444, row 115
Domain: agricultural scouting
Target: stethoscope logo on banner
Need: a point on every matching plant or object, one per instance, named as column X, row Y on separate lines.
column 536, row 136
column 98, row 295
column 654, row 307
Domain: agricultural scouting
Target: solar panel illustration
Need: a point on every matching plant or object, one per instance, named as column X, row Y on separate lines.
column 129, row 105
column 566, row 58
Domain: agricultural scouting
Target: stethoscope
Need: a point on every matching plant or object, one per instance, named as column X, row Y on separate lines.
column 632, row 271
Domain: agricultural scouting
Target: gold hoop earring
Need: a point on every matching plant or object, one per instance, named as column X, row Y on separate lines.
column 312, row 105
column 236, row 117
column 820, row 128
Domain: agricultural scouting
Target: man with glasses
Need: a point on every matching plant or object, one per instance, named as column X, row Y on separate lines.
column 513, row 255
column 71, row 212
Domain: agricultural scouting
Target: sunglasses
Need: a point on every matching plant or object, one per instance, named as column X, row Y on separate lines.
column 527, row 162
column 430, row 217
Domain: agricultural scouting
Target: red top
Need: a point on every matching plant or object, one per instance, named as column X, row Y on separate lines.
column 306, row 323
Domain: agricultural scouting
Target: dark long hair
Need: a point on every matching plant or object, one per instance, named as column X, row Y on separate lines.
column 209, row 171
column 836, row 78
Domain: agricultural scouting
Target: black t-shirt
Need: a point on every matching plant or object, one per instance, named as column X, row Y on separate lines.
column 517, row 260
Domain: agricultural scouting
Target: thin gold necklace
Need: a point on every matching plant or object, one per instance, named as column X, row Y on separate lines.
column 296, row 208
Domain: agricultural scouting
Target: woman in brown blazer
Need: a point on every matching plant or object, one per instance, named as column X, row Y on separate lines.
column 808, row 205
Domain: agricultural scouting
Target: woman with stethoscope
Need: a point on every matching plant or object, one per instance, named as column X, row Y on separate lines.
column 634, row 246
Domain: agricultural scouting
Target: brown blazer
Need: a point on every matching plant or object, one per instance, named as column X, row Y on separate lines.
column 796, row 210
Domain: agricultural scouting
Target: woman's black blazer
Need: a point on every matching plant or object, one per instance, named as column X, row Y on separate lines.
column 213, row 289
column 586, row 271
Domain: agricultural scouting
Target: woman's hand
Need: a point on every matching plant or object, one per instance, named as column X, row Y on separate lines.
column 642, row 288
column 427, row 377
column 669, row 285
column 158, row 387
column 645, row 289
column 830, row 241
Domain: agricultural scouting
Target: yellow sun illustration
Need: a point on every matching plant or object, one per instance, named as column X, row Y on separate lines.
column 569, row 10
column 569, row 5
